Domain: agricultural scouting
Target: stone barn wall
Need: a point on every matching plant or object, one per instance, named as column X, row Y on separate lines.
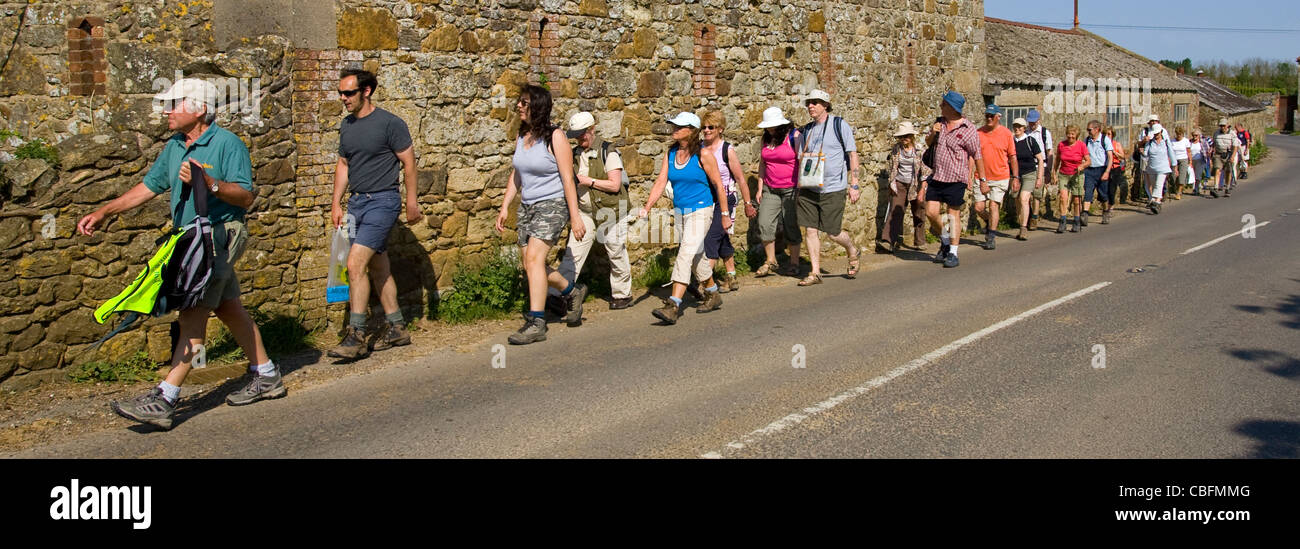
column 452, row 70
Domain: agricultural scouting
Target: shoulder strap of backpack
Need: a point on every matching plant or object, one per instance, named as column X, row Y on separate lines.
column 839, row 135
column 726, row 160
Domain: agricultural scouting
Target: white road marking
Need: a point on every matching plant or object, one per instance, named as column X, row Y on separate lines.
column 929, row 358
column 1221, row 239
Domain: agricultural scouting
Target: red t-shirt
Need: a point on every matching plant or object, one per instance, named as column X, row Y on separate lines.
column 1071, row 156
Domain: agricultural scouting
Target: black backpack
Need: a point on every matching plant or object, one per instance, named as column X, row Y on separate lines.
column 187, row 274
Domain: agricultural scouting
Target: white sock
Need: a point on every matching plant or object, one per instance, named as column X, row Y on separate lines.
column 170, row 392
column 266, row 370
column 953, row 249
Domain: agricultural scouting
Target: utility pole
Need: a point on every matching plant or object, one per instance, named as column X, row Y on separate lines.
column 1076, row 14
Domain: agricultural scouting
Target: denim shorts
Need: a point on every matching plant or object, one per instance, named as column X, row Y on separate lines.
column 373, row 215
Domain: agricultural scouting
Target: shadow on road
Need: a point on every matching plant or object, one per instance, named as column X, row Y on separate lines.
column 1273, row 438
column 1289, row 308
column 1274, row 362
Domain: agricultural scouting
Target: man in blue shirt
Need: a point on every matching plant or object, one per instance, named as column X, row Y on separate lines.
column 190, row 105
column 1097, row 175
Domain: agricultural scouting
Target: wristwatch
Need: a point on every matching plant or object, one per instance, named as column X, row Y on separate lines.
column 855, row 187
column 216, row 185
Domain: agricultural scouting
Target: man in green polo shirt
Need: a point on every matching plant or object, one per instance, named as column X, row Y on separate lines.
column 228, row 176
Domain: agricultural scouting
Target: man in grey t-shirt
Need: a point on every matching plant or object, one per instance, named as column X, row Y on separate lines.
column 372, row 144
column 828, row 139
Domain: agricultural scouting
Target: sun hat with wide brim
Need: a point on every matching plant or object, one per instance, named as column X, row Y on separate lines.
column 773, row 117
column 906, row 128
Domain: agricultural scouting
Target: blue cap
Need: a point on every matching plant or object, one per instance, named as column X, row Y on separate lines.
column 992, row 109
column 1033, row 116
column 955, row 100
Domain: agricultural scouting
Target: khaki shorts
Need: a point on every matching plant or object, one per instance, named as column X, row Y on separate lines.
column 229, row 239
column 1072, row 183
column 1027, row 183
column 997, row 190
column 825, row 211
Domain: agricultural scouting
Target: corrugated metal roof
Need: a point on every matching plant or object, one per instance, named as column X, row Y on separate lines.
column 1221, row 98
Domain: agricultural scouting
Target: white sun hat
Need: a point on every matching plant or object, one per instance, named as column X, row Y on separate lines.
column 773, row 117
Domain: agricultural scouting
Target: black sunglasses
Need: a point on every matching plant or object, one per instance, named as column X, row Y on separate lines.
column 349, row 93
column 711, row 127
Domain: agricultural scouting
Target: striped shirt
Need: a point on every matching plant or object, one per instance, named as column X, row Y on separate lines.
column 953, row 153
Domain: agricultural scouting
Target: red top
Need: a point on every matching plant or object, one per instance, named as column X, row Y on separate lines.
column 1071, row 156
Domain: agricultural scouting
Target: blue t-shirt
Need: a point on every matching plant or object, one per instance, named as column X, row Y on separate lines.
column 691, row 188
column 821, row 137
column 1097, row 150
column 223, row 156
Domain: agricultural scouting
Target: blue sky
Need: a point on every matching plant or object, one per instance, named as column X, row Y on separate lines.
column 1173, row 44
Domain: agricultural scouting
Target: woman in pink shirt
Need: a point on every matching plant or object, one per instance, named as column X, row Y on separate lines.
column 776, row 196
column 1071, row 155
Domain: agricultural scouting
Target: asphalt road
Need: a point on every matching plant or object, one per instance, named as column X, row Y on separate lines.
column 1201, row 359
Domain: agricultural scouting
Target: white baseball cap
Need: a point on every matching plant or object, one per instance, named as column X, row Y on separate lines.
column 1153, row 118
column 579, row 123
column 684, row 119
column 1020, row 122
column 196, row 89
column 818, row 95
column 773, row 117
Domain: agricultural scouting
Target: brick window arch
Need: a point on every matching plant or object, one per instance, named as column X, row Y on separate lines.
column 87, row 63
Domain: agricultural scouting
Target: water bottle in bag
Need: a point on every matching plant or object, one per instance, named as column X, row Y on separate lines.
column 336, row 289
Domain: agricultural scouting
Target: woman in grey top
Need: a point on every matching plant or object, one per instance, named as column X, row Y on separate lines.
column 543, row 179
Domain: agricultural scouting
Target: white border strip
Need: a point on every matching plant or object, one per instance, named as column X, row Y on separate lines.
column 1222, row 238
column 929, row 358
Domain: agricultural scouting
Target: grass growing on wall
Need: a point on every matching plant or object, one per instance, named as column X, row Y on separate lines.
column 281, row 335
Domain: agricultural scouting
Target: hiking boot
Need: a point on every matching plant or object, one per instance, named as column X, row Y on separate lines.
column 1155, row 208
column 1076, row 226
column 1022, row 235
column 712, row 301
column 732, row 284
column 695, row 291
column 1083, row 219
column 573, row 317
column 353, row 345
column 1214, row 193
column 149, row 408
column 260, row 388
column 391, row 336
column 951, row 261
column 1105, row 217
column 1061, row 227
column 620, row 303
column 533, row 330
column 1033, row 222
column 989, row 242
column 669, row 313
column 943, row 253
column 557, row 305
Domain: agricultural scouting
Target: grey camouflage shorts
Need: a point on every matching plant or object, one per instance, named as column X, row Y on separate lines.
column 543, row 220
